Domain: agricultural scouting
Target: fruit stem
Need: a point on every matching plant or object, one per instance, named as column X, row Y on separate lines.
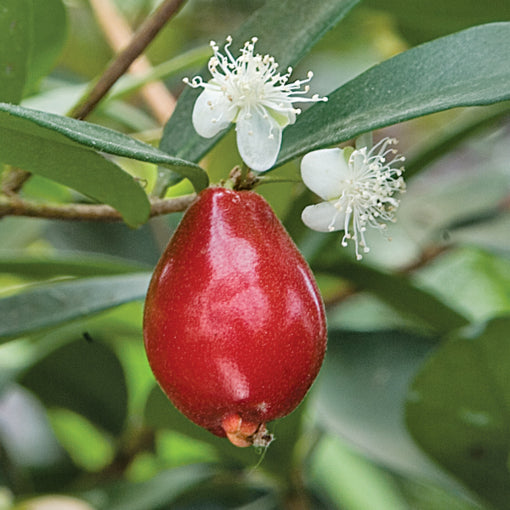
column 241, row 178
column 242, row 433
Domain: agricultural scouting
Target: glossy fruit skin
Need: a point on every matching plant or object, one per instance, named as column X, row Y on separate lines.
column 234, row 324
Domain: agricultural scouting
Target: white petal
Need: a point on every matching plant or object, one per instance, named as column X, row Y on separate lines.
column 323, row 172
column 259, row 137
column 323, row 217
column 212, row 113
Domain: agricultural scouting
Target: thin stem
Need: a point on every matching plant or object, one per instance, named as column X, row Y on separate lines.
column 13, row 179
column 16, row 206
column 141, row 39
column 118, row 33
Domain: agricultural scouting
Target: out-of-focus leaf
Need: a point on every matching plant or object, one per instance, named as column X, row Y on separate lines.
column 351, row 481
column 286, row 30
column 397, row 291
column 458, row 409
column 157, row 493
column 64, row 264
column 47, row 127
column 29, row 446
column 49, row 35
column 109, row 239
column 475, row 70
column 56, row 303
column 449, row 138
column 475, row 282
column 361, row 391
column 16, row 19
column 85, row 377
column 420, row 22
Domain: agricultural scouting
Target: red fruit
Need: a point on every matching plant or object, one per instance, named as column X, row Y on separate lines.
column 234, row 324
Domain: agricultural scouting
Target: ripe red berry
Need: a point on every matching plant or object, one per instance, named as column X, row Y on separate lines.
column 234, row 324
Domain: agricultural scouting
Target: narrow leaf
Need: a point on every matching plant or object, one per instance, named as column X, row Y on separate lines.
column 468, row 68
column 286, row 30
column 73, row 132
column 397, row 291
column 52, row 304
column 16, row 18
column 65, row 264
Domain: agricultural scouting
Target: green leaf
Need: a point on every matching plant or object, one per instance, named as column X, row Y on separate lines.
column 154, row 494
column 458, row 409
column 351, row 481
column 46, row 127
column 472, row 280
column 48, row 153
column 451, row 136
column 397, row 291
column 65, row 264
column 440, row 18
column 52, row 304
column 16, row 19
column 360, row 395
column 286, row 30
column 464, row 69
column 85, row 377
column 49, row 37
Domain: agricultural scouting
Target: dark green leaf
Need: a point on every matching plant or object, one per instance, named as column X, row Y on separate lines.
column 50, row 127
column 439, row 18
column 361, row 391
column 49, row 36
column 464, row 69
column 85, row 377
column 458, row 409
column 52, row 304
column 155, row 494
column 286, row 30
column 52, row 155
column 16, row 19
column 397, row 291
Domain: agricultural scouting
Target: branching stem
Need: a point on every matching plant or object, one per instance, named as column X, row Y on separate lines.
column 16, row 206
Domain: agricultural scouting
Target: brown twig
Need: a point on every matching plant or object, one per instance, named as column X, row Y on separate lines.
column 141, row 39
column 13, row 179
column 16, row 206
column 118, row 33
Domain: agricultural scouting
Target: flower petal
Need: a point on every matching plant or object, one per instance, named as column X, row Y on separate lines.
column 259, row 137
column 323, row 172
column 212, row 113
column 323, row 217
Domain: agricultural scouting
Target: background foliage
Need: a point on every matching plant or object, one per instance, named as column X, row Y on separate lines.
column 412, row 406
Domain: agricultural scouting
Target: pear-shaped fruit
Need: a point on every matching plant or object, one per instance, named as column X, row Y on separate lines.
column 234, row 324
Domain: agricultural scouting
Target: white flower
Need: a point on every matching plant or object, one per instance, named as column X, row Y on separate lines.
column 250, row 92
column 358, row 187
